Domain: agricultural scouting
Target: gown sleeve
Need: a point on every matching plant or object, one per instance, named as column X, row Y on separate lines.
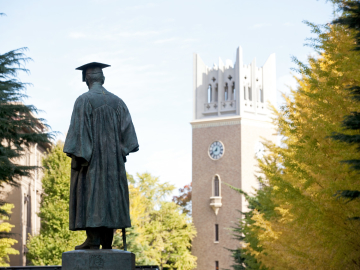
column 129, row 142
column 79, row 137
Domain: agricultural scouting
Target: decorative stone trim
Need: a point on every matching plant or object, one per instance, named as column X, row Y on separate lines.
column 216, row 124
column 230, row 122
column 215, row 204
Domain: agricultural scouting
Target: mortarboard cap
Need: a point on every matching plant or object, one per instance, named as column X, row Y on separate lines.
column 91, row 65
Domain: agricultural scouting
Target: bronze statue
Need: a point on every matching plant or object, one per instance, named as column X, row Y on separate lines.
column 100, row 136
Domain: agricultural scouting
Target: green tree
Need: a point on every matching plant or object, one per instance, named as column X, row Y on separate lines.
column 140, row 199
column 5, row 242
column 351, row 18
column 244, row 230
column 169, row 234
column 153, row 219
column 153, row 190
column 135, row 245
column 146, row 195
column 55, row 236
column 18, row 125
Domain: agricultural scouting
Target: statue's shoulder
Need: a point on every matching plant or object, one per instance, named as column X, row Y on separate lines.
column 84, row 95
column 122, row 105
column 121, row 102
column 111, row 95
column 82, row 98
column 116, row 99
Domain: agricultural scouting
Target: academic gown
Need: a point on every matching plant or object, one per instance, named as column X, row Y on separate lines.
column 100, row 136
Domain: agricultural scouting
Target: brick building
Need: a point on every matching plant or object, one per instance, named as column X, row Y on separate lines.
column 26, row 199
column 230, row 115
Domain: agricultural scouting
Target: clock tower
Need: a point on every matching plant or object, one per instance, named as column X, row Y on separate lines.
column 230, row 118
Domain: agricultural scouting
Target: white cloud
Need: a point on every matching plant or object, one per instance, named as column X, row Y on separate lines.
column 77, row 35
column 102, row 1
column 167, row 20
column 136, row 7
column 190, row 40
column 137, row 34
column 101, row 56
column 288, row 24
column 260, row 25
column 165, row 40
column 114, row 35
column 177, row 39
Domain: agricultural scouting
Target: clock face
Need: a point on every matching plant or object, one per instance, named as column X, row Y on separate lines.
column 216, row 150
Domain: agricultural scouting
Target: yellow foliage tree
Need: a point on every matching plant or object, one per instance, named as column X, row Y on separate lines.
column 139, row 217
column 160, row 234
column 170, row 233
column 6, row 243
column 310, row 228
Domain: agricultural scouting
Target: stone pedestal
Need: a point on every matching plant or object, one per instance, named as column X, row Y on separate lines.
column 102, row 259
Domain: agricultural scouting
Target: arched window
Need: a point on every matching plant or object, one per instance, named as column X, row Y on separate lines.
column 245, row 92
column 209, row 94
column 226, row 92
column 216, row 93
column 250, row 93
column 233, row 91
column 216, row 186
column 261, row 95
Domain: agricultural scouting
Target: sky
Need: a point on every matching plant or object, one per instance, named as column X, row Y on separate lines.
column 150, row 47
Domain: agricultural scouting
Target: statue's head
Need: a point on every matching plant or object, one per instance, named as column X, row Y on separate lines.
column 92, row 72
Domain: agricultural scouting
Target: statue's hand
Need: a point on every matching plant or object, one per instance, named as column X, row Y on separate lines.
column 84, row 163
column 77, row 163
